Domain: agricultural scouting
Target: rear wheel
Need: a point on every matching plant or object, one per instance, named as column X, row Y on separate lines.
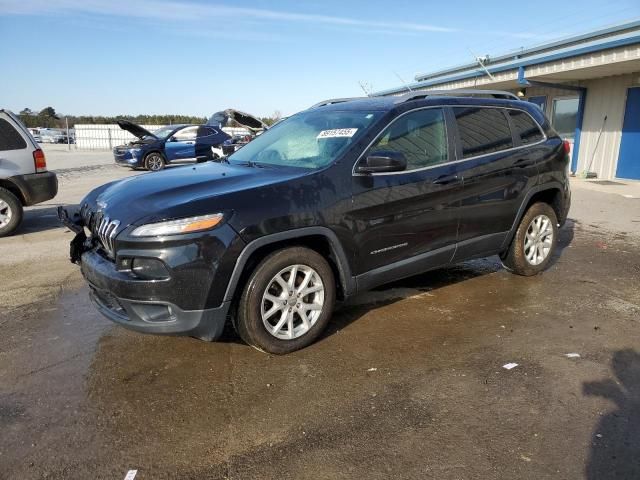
column 287, row 302
column 10, row 212
column 534, row 242
column 154, row 162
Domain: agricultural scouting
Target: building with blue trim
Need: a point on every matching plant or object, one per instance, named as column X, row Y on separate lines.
column 588, row 85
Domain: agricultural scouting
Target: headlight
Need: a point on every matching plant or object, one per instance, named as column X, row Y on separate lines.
column 174, row 227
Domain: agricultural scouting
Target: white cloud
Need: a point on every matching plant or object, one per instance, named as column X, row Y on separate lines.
column 174, row 11
column 190, row 11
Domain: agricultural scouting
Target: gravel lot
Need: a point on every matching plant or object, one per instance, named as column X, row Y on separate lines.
column 407, row 383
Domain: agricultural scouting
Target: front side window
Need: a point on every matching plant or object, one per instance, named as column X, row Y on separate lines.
column 10, row 139
column 482, row 130
column 186, row 134
column 420, row 136
column 565, row 116
column 310, row 139
column 526, row 128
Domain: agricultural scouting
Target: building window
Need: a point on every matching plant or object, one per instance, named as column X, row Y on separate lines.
column 540, row 101
column 565, row 116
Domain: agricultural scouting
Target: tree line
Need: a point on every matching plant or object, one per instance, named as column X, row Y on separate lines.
column 49, row 118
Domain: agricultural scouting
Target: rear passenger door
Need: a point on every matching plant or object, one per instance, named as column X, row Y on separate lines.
column 497, row 167
column 409, row 215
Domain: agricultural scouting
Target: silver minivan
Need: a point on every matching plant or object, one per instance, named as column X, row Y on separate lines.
column 24, row 179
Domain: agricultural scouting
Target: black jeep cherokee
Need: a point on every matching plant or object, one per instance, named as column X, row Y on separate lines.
column 337, row 199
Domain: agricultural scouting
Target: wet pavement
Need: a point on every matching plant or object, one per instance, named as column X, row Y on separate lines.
column 407, row 382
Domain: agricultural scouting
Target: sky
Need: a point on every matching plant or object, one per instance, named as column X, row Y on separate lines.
column 110, row 57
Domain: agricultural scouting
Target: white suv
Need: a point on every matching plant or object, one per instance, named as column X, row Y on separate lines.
column 24, row 179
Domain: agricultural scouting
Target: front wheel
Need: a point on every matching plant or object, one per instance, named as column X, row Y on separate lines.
column 287, row 302
column 534, row 242
column 154, row 162
column 10, row 212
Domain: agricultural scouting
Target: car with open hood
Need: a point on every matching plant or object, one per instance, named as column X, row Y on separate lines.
column 335, row 200
column 235, row 118
column 170, row 144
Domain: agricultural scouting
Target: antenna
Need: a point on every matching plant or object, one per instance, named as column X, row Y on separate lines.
column 366, row 87
column 481, row 61
column 403, row 82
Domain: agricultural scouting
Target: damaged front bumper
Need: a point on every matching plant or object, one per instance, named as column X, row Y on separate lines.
column 136, row 304
column 80, row 243
column 155, row 306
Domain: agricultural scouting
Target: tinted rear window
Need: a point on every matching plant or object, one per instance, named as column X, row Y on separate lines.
column 10, row 138
column 482, row 130
column 526, row 128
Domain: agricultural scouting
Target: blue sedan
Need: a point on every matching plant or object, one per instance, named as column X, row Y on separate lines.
column 174, row 143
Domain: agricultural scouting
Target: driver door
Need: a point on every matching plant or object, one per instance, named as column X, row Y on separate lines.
column 182, row 144
column 406, row 222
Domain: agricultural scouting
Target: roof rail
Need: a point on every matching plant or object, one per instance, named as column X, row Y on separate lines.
column 335, row 100
column 456, row 93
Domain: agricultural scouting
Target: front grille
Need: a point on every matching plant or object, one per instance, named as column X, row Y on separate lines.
column 107, row 230
column 101, row 227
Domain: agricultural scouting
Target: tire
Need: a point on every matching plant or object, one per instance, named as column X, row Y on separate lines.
column 10, row 212
column 248, row 320
column 154, row 162
column 533, row 258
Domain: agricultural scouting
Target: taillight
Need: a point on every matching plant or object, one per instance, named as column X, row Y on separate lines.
column 567, row 147
column 40, row 161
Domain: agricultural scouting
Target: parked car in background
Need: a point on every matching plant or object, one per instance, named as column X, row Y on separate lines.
column 35, row 133
column 235, row 118
column 335, row 200
column 52, row 135
column 171, row 144
column 24, row 179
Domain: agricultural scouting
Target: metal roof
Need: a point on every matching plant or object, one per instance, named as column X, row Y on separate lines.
column 598, row 40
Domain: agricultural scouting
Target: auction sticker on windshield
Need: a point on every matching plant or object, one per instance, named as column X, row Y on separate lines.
column 338, row 133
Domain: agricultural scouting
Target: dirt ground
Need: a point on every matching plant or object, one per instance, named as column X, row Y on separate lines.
column 407, row 383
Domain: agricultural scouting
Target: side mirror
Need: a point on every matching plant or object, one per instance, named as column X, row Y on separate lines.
column 173, row 139
column 383, row 161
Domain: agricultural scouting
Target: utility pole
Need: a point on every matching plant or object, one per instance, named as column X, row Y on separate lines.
column 66, row 121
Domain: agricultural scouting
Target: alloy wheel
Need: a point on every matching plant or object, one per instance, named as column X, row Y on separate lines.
column 538, row 240
column 5, row 214
column 292, row 302
column 154, row 162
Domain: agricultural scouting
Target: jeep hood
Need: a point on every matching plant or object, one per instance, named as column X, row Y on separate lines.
column 222, row 119
column 180, row 192
column 134, row 129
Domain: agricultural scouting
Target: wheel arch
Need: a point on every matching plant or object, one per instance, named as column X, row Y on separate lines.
column 549, row 193
column 320, row 239
column 154, row 150
column 13, row 188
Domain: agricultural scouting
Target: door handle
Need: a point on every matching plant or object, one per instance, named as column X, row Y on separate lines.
column 446, row 179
